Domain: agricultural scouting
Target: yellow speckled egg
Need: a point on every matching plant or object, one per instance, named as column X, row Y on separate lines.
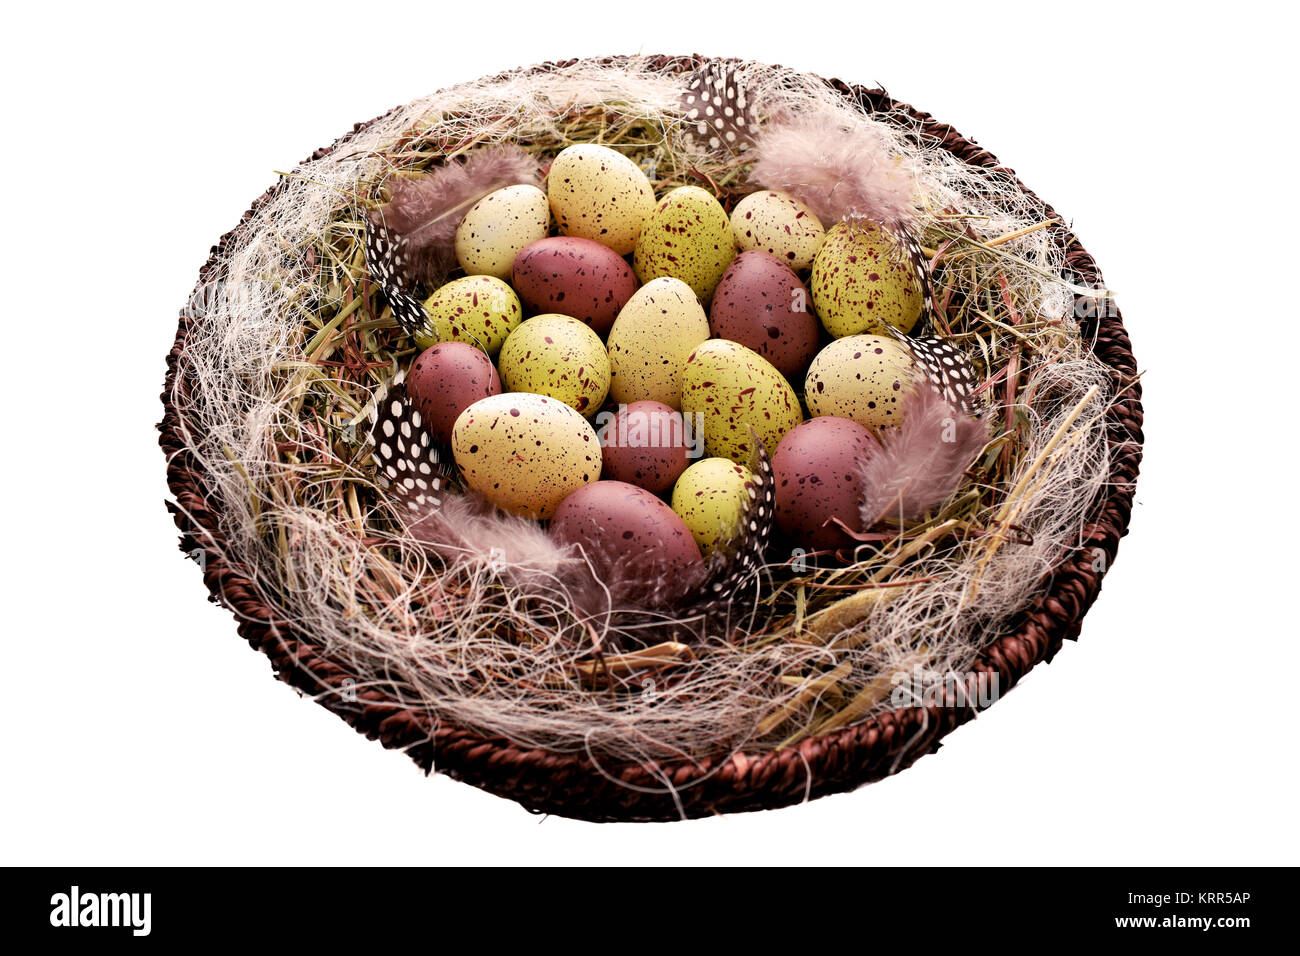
column 650, row 339
column 861, row 279
column 688, row 237
column 734, row 389
column 479, row 310
column 780, row 225
column 497, row 226
column 525, row 453
column 597, row 193
column 861, row 377
column 709, row 497
column 559, row 356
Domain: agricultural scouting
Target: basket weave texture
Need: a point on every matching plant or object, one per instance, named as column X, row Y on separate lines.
column 572, row 784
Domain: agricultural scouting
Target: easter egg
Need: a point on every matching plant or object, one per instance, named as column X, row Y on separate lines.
column 644, row 444
column 660, row 325
column 817, row 471
column 479, row 310
column 599, row 194
column 688, row 237
column 862, row 377
column 576, row 277
column 525, row 453
column 863, row 280
column 497, row 226
column 761, row 304
column 634, row 541
column 734, row 390
column 559, row 356
column 779, row 225
column 446, row 379
column 710, row 498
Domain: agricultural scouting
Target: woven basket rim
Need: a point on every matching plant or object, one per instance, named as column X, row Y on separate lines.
column 575, row 784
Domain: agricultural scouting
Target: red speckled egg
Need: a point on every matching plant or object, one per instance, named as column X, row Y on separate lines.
column 575, row 277
column 816, row 468
column 761, row 304
column 645, row 444
column 448, row 378
column 631, row 538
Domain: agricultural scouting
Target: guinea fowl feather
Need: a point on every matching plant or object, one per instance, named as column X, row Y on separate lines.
column 919, row 465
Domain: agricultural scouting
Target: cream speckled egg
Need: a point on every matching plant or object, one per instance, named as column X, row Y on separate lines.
column 710, row 497
column 498, row 226
column 688, row 237
column 861, row 280
column 653, row 334
column 861, row 377
column 479, row 310
column 780, row 225
column 597, row 193
column 525, row 453
column 559, row 356
column 734, row 390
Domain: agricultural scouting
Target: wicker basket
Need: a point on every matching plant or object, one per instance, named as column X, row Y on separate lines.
column 572, row 784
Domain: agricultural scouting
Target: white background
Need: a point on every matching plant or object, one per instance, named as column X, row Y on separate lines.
column 133, row 138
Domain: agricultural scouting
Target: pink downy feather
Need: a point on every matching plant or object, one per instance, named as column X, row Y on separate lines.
column 838, row 173
column 919, row 464
column 426, row 209
column 467, row 526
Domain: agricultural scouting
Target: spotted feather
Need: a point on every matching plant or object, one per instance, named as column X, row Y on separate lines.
column 386, row 262
column 946, row 369
column 732, row 567
column 408, row 462
column 718, row 109
column 909, row 248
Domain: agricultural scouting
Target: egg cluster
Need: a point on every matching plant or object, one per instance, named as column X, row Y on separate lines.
column 612, row 374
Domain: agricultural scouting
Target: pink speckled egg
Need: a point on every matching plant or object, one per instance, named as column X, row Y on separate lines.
column 631, row 538
column 575, row 277
column 448, row 378
column 761, row 304
column 645, row 444
column 817, row 473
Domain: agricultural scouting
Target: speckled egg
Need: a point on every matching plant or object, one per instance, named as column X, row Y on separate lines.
column 861, row 279
column 559, row 356
column 525, row 453
column 644, row 444
column 479, row 310
column 688, row 237
column 779, row 225
column 817, row 470
column 761, row 304
column 710, row 498
column 660, row 325
column 733, row 390
column 497, row 226
column 447, row 379
column 634, row 541
column 597, row 193
column 576, row 277
column 862, row 377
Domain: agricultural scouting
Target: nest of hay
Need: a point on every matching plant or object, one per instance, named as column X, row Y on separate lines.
column 838, row 673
